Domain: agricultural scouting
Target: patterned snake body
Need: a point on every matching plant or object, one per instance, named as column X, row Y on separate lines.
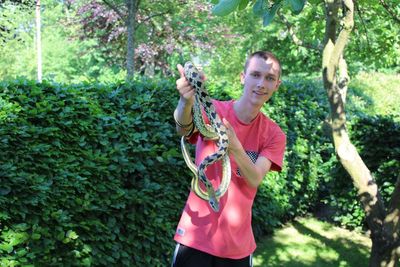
column 215, row 131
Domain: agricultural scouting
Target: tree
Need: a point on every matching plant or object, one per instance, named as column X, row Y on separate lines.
column 101, row 15
column 67, row 59
column 383, row 222
column 164, row 35
column 38, row 42
column 132, row 7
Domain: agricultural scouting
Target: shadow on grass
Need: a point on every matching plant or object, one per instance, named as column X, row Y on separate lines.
column 302, row 246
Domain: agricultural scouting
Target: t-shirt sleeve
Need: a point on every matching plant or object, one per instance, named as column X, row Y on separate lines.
column 274, row 149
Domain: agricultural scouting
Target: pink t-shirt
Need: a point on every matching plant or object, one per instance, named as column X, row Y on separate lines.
column 228, row 233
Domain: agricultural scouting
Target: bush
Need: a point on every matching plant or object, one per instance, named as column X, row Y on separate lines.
column 376, row 139
column 89, row 175
column 93, row 175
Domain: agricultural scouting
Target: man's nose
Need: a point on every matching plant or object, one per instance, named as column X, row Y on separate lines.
column 260, row 83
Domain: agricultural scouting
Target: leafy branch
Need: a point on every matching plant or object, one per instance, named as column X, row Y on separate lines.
column 389, row 10
column 295, row 39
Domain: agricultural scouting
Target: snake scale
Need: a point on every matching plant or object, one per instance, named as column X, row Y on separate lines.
column 216, row 130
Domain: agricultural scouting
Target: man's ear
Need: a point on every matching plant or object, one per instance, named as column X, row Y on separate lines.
column 277, row 85
column 242, row 78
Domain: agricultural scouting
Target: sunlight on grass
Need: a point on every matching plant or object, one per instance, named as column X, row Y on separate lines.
column 377, row 92
column 309, row 242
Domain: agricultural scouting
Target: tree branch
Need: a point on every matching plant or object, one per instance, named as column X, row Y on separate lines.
column 395, row 199
column 331, row 11
column 152, row 16
column 343, row 80
column 295, row 39
column 390, row 11
column 132, row 6
column 362, row 22
column 392, row 219
column 348, row 24
column 115, row 8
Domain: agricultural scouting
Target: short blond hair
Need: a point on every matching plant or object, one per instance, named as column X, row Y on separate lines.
column 265, row 55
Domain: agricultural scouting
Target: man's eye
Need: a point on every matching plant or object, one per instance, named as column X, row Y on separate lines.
column 255, row 75
column 272, row 79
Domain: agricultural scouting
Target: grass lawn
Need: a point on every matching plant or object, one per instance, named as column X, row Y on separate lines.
column 375, row 93
column 309, row 242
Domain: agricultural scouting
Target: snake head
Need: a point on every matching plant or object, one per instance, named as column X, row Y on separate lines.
column 192, row 73
column 189, row 68
column 189, row 65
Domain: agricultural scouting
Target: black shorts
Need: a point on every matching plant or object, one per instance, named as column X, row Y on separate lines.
column 189, row 257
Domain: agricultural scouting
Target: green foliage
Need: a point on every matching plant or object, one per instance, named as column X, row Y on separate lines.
column 269, row 14
column 71, row 54
column 375, row 93
column 297, row 5
column 64, row 56
column 224, row 7
column 90, row 175
column 376, row 139
column 250, row 37
column 93, row 175
column 300, row 110
column 374, row 43
column 261, row 8
column 15, row 37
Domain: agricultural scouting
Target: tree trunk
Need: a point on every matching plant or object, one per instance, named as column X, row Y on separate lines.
column 132, row 6
column 38, row 43
column 384, row 226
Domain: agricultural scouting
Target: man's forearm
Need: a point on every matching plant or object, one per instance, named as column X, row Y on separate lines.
column 183, row 117
column 252, row 173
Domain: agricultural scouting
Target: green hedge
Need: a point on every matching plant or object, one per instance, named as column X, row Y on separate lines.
column 93, row 175
column 88, row 175
column 376, row 138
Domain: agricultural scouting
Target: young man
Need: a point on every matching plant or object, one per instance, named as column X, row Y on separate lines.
column 256, row 145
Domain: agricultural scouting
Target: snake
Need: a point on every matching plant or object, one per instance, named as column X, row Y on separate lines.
column 216, row 131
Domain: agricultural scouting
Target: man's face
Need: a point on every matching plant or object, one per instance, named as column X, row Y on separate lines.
column 260, row 80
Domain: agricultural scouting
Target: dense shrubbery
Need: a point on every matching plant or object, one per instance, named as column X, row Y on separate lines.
column 377, row 140
column 88, row 175
column 92, row 175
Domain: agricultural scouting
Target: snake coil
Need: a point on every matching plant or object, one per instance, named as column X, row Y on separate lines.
column 216, row 130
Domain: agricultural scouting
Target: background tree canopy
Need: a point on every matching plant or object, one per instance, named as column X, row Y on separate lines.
column 86, row 40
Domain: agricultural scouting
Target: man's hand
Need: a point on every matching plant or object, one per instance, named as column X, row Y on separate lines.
column 254, row 172
column 234, row 143
column 185, row 90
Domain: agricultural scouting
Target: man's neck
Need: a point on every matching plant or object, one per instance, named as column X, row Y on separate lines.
column 245, row 111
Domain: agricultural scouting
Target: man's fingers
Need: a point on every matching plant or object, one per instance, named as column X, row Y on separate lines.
column 229, row 129
column 211, row 139
column 227, row 124
column 181, row 70
column 202, row 76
